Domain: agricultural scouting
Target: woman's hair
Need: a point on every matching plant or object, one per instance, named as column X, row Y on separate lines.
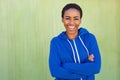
column 72, row 5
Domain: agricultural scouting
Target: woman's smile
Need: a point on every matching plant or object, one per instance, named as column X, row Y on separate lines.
column 71, row 28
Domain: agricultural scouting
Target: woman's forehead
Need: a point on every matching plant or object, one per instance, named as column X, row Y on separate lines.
column 72, row 11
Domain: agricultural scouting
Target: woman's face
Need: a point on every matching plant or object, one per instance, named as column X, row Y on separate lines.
column 71, row 20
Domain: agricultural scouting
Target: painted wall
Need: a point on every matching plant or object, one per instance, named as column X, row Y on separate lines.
column 27, row 26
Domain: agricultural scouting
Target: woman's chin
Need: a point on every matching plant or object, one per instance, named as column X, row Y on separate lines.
column 71, row 32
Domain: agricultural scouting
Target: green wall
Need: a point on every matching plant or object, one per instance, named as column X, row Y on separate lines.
column 27, row 26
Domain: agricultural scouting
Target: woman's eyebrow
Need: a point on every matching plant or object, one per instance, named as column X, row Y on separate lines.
column 67, row 16
column 73, row 17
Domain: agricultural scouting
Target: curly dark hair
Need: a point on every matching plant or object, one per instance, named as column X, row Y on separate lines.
column 72, row 5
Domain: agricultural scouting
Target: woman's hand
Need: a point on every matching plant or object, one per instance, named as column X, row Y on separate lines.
column 91, row 57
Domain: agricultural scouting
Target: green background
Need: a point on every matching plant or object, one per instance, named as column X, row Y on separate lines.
column 27, row 26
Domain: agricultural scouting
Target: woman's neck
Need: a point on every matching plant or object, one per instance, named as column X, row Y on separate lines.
column 72, row 35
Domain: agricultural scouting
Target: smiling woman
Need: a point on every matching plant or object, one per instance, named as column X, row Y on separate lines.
column 74, row 54
column 71, row 21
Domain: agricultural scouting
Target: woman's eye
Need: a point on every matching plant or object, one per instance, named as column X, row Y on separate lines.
column 76, row 19
column 67, row 18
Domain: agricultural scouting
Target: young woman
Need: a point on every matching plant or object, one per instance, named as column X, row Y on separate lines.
column 74, row 53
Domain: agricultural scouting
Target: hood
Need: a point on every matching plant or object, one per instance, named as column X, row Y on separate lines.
column 81, row 32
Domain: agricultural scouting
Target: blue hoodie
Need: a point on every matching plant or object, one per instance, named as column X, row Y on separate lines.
column 68, row 59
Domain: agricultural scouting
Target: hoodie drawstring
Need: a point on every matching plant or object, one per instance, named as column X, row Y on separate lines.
column 84, row 46
column 72, row 51
column 77, row 49
column 78, row 57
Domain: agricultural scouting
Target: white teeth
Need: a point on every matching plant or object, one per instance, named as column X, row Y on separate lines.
column 71, row 27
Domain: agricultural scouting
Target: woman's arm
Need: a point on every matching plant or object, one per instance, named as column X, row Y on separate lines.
column 55, row 66
column 90, row 67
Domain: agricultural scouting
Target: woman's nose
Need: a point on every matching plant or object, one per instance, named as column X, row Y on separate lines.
column 71, row 22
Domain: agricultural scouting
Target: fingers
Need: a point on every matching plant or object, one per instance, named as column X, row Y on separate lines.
column 91, row 57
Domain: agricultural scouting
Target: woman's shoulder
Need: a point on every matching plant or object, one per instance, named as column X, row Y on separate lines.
column 59, row 37
column 54, row 39
column 89, row 37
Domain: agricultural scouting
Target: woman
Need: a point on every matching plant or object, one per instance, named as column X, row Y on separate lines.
column 74, row 54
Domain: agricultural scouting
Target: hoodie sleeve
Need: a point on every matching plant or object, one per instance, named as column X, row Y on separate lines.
column 87, row 68
column 55, row 66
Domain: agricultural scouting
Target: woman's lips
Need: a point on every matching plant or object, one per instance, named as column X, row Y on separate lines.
column 71, row 27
